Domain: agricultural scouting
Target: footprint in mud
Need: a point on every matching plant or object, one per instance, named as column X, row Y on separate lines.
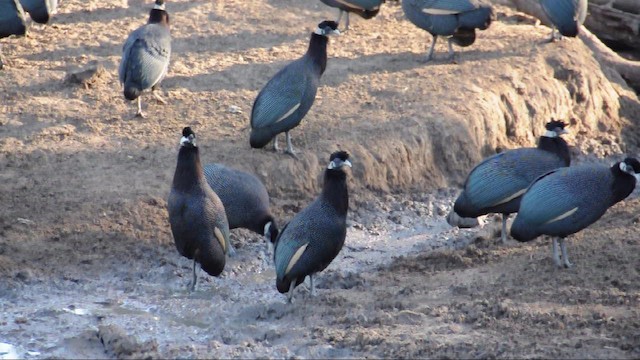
column 336, row 280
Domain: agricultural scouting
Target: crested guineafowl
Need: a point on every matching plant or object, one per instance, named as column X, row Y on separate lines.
column 40, row 10
column 315, row 236
column 567, row 200
column 145, row 56
column 196, row 214
column 565, row 15
column 366, row 9
column 456, row 19
column 288, row 96
column 496, row 184
column 245, row 200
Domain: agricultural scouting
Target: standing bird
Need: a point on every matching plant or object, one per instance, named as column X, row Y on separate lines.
column 366, row 9
column 496, row 184
column 245, row 200
column 196, row 214
column 40, row 10
column 145, row 56
column 12, row 20
column 565, row 15
column 565, row 201
column 288, row 96
column 455, row 19
column 314, row 237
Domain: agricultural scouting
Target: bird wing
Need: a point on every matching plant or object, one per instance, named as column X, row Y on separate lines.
column 444, row 7
column 145, row 56
column 563, row 192
column 281, row 97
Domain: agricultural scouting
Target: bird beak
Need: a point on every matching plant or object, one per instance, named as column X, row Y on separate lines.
column 348, row 163
column 335, row 32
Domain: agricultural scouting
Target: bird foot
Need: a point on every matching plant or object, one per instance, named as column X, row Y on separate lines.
column 159, row 99
column 141, row 115
column 292, row 154
column 567, row 265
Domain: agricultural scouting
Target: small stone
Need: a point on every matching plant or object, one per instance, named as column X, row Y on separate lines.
column 234, row 109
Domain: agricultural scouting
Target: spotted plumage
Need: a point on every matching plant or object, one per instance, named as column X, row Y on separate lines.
column 565, row 15
column 455, row 19
column 366, row 9
column 497, row 184
column 197, row 217
column 287, row 97
column 145, row 56
column 315, row 236
column 567, row 200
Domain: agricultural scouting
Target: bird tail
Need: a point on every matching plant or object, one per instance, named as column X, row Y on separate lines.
column 131, row 92
column 368, row 14
column 479, row 18
column 211, row 259
column 521, row 232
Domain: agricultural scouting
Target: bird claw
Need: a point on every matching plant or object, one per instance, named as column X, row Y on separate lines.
column 292, row 154
column 141, row 115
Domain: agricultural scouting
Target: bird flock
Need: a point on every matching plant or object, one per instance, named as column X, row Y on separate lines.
column 548, row 196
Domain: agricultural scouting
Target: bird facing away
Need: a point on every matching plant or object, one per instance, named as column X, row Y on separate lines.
column 145, row 56
column 315, row 236
column 456, row 19
column 288, row 96
column 565, row 15
column 567, row 200
column 366, row 9
column 196, row 214
column 245, row 200
column 497, row 184
column 40, row 10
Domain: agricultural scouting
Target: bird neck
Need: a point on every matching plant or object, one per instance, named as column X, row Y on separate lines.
column 157, row 16
column 555, row 145
column 189, row 169
column 335, row 190
column 318, row 51
column 623, row 184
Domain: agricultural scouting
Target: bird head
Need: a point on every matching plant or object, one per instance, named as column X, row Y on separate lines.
column 327, row 27
column 159, row 5
column 555, row 128
column 188, row 138
column 339, row 159
column 631, row 166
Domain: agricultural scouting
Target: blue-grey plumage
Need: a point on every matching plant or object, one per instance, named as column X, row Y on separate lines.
column 287, row 97
column 40, row 10
column 452, row 18
column 145, row 56
column 497, row 184
column 245, row 199
column 565, row 15
column 12, row 21
column 366, row 9
column 567, row 200
column 197, row 217
column 315, row 236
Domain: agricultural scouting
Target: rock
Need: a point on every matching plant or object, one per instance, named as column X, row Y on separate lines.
column 90, row 76
column 455, row 220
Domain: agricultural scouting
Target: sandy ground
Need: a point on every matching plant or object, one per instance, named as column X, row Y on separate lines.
column 87, row 263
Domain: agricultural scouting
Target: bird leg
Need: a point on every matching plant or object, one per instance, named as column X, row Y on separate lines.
column 158, row 97
column 232, row 251
column 452, row 55
column 504, row 228
column 140, row 113
column 275, row 144
column 556, row 256
column 339, row 16
column 565, row 257
column 555, row 35
column 346, row 23
column 432, row 48
column 313, row 288
column 289, row 149
column 195, row 276
column 291, row 288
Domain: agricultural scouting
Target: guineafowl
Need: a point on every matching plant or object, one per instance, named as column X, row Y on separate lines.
column 145, row 56
column 565, row 15
column 40, row 10
column 288, row 96
column 314, row 237
column 364, row 8
column 245, row 200
column 196, row 214
column 565, row 201
column 11, row 20
column 496, row 184
column 456, row 19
